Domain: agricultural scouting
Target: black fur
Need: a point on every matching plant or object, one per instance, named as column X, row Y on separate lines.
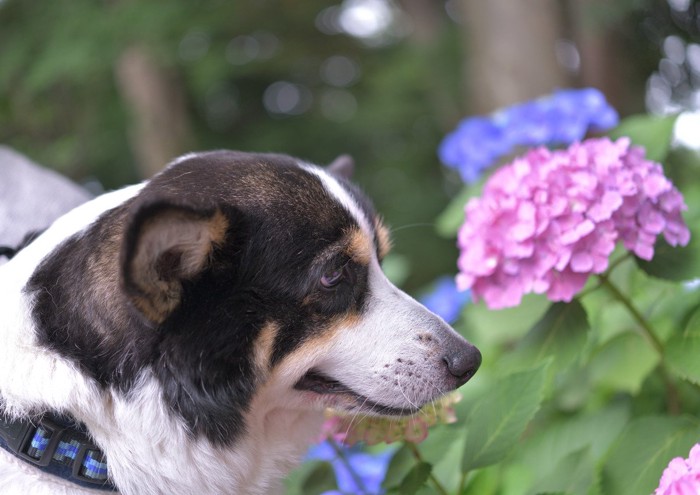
column 283, row 233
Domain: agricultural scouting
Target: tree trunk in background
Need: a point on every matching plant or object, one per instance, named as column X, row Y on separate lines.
column 510, row 55
column 603, row 61
column 160, row 129
column 428, row 21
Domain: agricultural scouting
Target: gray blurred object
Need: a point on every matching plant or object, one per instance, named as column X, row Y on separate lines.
column 31, row 197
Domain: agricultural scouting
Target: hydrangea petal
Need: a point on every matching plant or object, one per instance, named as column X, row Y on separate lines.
column 682, row 476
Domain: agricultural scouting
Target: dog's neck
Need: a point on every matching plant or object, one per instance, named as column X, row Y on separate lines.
column 177, row 463
column 158, row 455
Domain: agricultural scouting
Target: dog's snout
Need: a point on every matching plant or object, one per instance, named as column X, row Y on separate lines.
column 463, row 362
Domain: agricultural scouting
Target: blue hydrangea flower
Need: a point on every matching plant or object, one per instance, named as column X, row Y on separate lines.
column 445, row 300
column 559, row 119
column 370, row 469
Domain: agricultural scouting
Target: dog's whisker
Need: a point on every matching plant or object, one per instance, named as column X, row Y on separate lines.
column 398, row 384
column 412, row 226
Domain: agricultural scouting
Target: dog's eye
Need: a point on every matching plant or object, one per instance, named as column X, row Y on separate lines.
column 333, row 277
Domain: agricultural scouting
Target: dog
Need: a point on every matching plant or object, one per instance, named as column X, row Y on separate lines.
column 186, row 334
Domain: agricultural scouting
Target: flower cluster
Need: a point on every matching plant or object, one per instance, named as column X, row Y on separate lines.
column 682, row 476
column 560, row 118
column 550, row 219
column 446, row 300
column 372, row 430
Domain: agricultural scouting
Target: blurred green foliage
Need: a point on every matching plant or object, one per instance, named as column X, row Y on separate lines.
column 60, row 105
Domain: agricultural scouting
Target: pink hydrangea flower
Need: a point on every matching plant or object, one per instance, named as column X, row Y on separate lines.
column 371, row 430
column 550, row 219
column 682, row 476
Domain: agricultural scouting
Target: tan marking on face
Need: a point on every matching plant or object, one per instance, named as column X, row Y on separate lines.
column 359, row 247
column 218, row 225
column 303, row 358
column 383, row 237
column 263, row 346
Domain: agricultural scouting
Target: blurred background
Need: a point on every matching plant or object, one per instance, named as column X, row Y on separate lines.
column 107, row 92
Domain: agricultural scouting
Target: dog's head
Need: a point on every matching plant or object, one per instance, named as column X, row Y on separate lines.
column 231, row 273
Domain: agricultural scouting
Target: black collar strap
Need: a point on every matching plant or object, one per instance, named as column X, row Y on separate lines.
column 58, row 447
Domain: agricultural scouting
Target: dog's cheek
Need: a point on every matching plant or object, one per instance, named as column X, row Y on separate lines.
column 316, row 346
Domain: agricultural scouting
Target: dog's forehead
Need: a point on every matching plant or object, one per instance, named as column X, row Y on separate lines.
column 267, row 185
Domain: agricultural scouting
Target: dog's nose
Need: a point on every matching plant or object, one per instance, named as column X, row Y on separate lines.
column 463, row 362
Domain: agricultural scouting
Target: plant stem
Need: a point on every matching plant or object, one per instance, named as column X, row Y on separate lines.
column 416, row 453
column 614, row 264
column 672, row 398
column 618, row 261
column 356, row 478
column 647, row 331
column 462, row 482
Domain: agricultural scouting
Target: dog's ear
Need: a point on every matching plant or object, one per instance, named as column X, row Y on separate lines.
column 343, row 166
column 165, row 245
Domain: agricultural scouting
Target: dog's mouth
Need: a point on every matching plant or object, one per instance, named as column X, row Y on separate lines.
column 317, row 382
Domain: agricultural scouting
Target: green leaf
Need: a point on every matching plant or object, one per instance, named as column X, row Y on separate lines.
column 637, row 460
column 443, row 448
column 573, row 475
column 560, row 438
column 683, row 351
column 307, row 473
column 399, row 466
column 321, row 479
column 561, row 333
column 415, row 479
column 500, row 416
column 654, row 133
column 512, row 323
column 623, row 363
column 683, row 357
column 484, row 482
column 676, row 263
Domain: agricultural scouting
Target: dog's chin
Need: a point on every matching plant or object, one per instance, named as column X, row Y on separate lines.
column 335, row 394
